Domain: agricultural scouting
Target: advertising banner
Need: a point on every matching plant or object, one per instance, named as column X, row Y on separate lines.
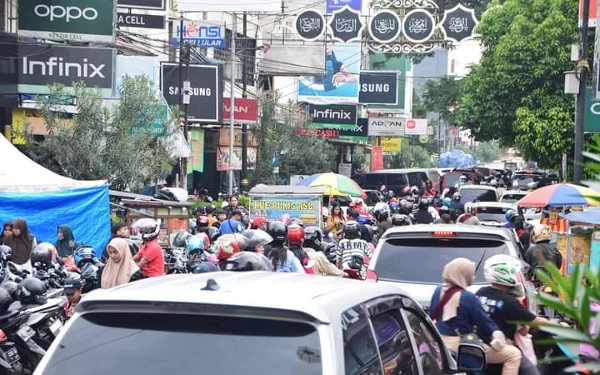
column 323, row 116
column 142, row 4
column 69, row 20
column 160, row 114
column 386, row 126
column 237, row 138
column 223, row 158
column 378, row 87
column 206, row 96
column 293, row 43
column 201, row 34
column 376, row 158
column 593, row 13
column 392, row 145
column 358, row 132
column 304, row 207
column 399, row 64
column 142, row 21
column 40, row 66
column 245, row 110
column 415, row 127
column 339, row 83
column 196, row 161
column 592, row 113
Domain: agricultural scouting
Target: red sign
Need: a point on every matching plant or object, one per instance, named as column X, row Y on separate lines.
column 376, row 158
column 593, row 13
column 245, row 110
column 410, row 124
column 325, row 133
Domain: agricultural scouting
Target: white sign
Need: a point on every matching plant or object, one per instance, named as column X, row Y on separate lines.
column 416, row 126
column 386, row 126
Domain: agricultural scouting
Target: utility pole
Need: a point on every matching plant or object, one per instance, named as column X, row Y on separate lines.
column 244, row 176
column 179, row 178
column 232, row 104
column 583, row 67
column 186, row 104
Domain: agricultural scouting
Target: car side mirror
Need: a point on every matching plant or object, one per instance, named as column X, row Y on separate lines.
column 471, row 357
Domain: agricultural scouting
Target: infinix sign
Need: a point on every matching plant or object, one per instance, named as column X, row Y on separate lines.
column 72, row 20
column 333, row 114
column 42, row 65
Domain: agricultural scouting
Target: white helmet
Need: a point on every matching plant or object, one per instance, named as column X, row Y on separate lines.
column 502, row 269
column 148, row 228
column 470, row 209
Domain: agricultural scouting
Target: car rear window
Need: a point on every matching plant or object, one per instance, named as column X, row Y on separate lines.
column 124, row 343
column 477, row 195
column 397, row 179
column 451, row 178
column 373, row 181
column 512, row 197
column 421, row 260
column 497, row 214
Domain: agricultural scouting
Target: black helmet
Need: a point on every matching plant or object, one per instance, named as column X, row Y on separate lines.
column 204, row 267
column 400, row 220
column 423, row 204
column 5, row 252
column 32, row 291
column 180, row 238
column 213, row 234
column 381, row 215
column 278, row 231
column 352, row 230
column 366, row 232
column 313, row 237
column 41, row 255
column 5, row 300
column 11, row 287
column 248, row 261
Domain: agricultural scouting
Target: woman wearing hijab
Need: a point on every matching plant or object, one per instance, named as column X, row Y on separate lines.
column 120, row 267
column 21, row 242
column 457, row 312
column 65, row 243
column 6, row 232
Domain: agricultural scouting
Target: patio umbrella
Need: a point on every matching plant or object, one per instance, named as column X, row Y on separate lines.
column 336, row 184
column 561, row 195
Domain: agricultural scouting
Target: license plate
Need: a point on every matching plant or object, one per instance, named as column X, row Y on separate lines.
column 55, row 327
column 25, row 333
column 12, row 356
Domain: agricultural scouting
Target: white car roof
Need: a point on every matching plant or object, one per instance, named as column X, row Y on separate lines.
column 322, row 297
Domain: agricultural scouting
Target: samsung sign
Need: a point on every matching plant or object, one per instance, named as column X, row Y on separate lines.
column 206, row 90
column 68, row 20
column 378, row 87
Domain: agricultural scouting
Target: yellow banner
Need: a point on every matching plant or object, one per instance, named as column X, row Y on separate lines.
column 391, row 144
column 18, row 127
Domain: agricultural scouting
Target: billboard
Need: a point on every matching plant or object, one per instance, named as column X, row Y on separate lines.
column 201, row 34
column 304, row 207
column 293, row 44
column 378, row 87
column 68, row 20
column 245, row 110
column 224, row 159
column 196, row 160
column 339, row 83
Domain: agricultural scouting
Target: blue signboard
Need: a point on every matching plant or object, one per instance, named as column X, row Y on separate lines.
column 201, row 34
column 333, row 5
column 304, row 207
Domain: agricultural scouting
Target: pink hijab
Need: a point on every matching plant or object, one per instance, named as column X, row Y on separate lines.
column 115, row 274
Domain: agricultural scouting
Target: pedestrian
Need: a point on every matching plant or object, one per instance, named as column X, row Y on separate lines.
column 65, row 241
column 21, row 242
column 6, row 232
column 120, row 267
column 233, row 224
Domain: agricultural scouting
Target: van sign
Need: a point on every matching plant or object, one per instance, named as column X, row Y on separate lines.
column 67, row 20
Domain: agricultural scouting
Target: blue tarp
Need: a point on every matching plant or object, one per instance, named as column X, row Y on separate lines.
column 589, row 216
column 456, row 159
column 85, row 210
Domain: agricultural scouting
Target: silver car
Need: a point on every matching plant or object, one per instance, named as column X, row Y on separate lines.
column 250, row 323
column 413, row 257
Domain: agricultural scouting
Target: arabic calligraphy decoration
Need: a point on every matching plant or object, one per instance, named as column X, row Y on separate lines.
column 346, row 25
column 419, row 25
column 310, row 24
column 458, row 23
column 385, row 26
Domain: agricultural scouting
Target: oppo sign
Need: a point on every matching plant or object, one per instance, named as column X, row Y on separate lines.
column 595, row 108
column 67, row 13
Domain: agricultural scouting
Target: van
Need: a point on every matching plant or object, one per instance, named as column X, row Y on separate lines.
column 393, row 179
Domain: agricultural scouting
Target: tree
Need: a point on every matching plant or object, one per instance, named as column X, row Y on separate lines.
column 442, row 96
column 409, row 157
column 282, row 145
column 515, row 93
column 116, row 144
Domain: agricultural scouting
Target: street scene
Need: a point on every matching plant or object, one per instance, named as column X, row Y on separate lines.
column 354, row 187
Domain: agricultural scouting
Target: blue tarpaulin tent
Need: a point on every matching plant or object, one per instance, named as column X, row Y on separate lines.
column 456, row 159
column 46, row 200
column 589, row 216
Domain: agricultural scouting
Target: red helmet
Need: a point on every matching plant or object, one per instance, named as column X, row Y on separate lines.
column 295, row 235
column 229, row 244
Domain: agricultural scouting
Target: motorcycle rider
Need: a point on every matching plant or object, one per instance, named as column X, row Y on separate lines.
column 542, row 250
column 423, row 216
column 311, row 243
column 295, row 238
column 456, row 207
column 462, row 180
column 399, row 220
column 383, row 221
column 282, row 258
column 150, row 259
column 352, row 245
column 501, row 304
column 470, row 215
column 445, row 217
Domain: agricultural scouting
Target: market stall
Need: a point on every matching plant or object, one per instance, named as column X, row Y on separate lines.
column 273, row 201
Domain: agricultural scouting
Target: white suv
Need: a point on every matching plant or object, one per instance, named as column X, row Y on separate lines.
column 249, row 323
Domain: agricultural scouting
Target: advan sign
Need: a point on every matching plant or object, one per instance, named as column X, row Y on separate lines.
column 386, row 126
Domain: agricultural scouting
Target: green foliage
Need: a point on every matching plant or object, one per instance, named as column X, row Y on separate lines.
column 515, row 94
column 440, row 96
column 297, row 154
column 243, row 200
column 104, row 144
column 487, row 152
column 409, row 157
column 576, row 292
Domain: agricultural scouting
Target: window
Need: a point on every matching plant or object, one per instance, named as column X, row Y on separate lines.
column 430, row 352
column 397, row 179
column 394, row 344
column 373, row 181
column 360, row 349
column 129, row 343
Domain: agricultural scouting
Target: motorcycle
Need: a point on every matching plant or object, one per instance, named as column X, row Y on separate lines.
column 177, row 260
column 16, row 329
column 355, row 267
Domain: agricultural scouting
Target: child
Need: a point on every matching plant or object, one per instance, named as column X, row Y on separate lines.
column 73, row 287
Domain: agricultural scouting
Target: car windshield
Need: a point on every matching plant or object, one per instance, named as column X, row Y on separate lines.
column 496, row 214
column 512, row 198
column 126, row 343
column 421, row 260
column 477, row 195
column 525, row 179
column 452, row 178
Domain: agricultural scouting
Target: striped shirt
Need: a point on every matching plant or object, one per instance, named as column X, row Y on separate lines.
column 349, row 248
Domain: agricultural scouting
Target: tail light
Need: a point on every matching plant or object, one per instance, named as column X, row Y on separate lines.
column 371, row 276
column 443, row 233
